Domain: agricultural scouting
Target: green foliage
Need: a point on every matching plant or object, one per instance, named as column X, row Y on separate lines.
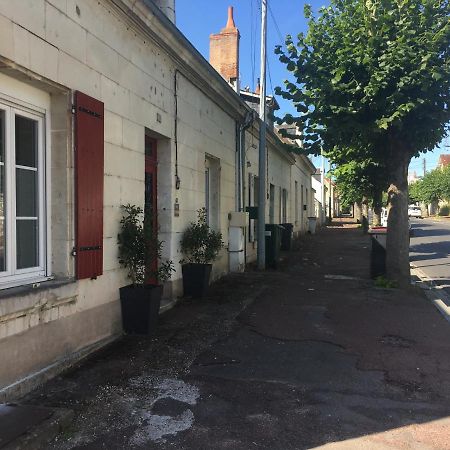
column 445, row 183
column 414, row 192
column 371, row 82
column 433, row 187
column 370, row 71
column 356, row 180
column 140, row 249
column 383, row 282
column 200, row 244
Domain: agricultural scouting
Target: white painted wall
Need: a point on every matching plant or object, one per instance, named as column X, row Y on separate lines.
column 59, row 46
column 283, row 171
column 67, row 45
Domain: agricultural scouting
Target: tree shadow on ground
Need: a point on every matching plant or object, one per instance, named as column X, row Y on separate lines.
column 418, row 232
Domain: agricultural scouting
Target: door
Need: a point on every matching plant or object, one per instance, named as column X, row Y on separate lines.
column 150, row 207
column 272, row 204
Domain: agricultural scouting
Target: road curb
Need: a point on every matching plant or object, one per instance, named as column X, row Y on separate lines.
column 433, row 292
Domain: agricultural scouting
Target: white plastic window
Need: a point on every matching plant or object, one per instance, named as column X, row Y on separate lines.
column 22, row 199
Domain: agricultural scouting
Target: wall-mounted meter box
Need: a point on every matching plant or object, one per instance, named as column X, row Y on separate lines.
column 238, row 219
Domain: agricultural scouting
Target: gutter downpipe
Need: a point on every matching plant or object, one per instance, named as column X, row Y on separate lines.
column 240, row 166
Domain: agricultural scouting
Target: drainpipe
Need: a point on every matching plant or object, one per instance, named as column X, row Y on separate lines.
column 240, row 160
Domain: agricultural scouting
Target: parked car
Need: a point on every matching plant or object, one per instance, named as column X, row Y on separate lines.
column 384, row 218
column 414, row 211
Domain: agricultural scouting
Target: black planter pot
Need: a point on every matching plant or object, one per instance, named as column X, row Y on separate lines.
column 196, row 279
column 140, row 308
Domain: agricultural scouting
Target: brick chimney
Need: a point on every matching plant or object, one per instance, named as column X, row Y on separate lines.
column 224, row 51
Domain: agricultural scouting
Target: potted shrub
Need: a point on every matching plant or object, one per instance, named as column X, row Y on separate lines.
column 139, row 253
column 200, row 246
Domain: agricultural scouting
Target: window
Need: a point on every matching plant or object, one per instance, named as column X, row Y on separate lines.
column 296, row 202
column 284, row 195
column 253, row 194
column 212, row 191
column 280, row 206
column 307, row 202
column 22, row 201
column 272, row 203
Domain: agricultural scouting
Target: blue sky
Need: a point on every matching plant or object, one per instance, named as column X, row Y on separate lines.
column 197, row 19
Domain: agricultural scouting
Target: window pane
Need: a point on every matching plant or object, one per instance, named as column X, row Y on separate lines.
column 2, row 246
column 2, row 191
column 27, row 243
column 26, row 142
column 26, row 190
column 2, row 135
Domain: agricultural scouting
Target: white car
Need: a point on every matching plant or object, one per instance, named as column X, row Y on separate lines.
column 414, row 211
column 384, row 218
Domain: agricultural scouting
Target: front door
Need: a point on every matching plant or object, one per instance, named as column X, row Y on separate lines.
column 151, row 195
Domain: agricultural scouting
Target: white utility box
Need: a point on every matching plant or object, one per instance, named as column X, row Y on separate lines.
column 238, row 219
column 236, row 249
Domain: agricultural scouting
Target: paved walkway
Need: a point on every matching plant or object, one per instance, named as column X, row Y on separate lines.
column 309, row 356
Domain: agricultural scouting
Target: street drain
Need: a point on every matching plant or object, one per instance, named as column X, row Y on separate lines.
column 397, row 341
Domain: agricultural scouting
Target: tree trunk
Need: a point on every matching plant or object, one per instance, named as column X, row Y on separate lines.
column 358, row 212
column 377, row 204
column 397, row 242
column 365, row 214
column 365, row 207
column 424, row 209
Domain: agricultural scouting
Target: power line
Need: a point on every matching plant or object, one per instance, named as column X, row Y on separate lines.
column 253, row 29
column 258, row 7
column 270, row 77
column 280, row 35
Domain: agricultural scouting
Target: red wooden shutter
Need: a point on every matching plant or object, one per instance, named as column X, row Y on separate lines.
column 89, row 174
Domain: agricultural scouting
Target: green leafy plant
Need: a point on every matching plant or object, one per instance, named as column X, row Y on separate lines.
column 383, row 282
column 200, row 244
column 140, row 249
column 433, row 187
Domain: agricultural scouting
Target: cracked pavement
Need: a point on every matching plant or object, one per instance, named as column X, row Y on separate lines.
column 309, row 356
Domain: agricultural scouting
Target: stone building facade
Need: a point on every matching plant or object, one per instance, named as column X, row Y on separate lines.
column 97, row 100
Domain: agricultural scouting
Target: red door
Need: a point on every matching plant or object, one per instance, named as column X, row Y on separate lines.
column 151, row 195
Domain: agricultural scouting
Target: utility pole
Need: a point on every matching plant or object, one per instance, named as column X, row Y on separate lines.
column 424, row 166
column 262, row 145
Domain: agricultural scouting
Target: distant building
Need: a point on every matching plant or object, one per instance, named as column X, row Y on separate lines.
column 412, row 177
column 444, row 161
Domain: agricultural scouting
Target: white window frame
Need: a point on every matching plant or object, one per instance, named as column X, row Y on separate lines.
column 13, row 276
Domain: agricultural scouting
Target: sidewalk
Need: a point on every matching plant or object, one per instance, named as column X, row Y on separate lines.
column 309, row 356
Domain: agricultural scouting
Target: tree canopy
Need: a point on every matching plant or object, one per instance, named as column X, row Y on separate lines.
column 356, row 180
column 370, row 69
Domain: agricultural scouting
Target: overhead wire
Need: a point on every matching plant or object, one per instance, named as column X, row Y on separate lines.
column 277, row 28
column 252, row 41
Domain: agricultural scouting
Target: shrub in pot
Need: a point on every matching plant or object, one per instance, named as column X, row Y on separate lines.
column 140, row 253
column 200, row 246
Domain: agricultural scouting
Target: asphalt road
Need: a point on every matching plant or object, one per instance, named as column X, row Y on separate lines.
column 430, row 249
column 309, row 356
